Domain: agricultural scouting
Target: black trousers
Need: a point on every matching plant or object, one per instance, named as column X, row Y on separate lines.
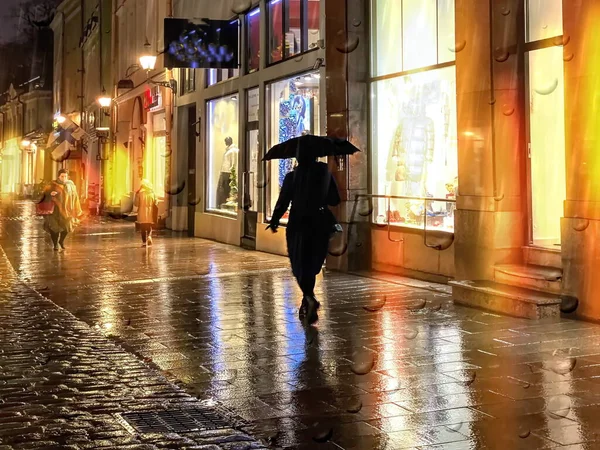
column 307, row 250
column 58, row 238
column 307, row 284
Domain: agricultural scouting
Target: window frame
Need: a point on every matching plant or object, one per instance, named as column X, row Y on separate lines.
column 266, row 116
column 185, row 80
column 285, row 24
column 371, row 81
column 255, row 10
column 207, row 156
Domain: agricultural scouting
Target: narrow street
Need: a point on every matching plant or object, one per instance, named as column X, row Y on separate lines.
column 392, row 363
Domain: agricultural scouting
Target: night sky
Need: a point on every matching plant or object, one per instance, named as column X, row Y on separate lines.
column 8, row 27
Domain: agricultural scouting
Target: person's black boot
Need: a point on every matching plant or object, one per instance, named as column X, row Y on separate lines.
column 311, row 310
column 303, row 307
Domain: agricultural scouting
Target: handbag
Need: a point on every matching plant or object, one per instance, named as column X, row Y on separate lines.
column 44, row 208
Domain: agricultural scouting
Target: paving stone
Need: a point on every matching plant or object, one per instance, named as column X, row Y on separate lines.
column 116, row 324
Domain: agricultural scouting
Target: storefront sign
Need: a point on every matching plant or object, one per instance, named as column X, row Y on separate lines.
column 152, row 99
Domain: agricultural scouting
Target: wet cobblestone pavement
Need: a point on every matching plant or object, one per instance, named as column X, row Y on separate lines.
column 391, row 364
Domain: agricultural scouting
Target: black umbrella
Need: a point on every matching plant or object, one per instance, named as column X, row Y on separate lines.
column 318, row 146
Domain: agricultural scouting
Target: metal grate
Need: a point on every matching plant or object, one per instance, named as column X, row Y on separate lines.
column 185, row 420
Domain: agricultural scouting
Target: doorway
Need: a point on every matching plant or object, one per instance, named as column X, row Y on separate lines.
column 193, row 201
column 546, row 146
column 250, row 200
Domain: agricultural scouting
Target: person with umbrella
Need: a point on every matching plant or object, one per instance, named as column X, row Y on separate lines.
column 311, row 189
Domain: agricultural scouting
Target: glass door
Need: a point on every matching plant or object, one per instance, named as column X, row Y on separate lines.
column 545, row 121
column 249, row 176
column 250, row 200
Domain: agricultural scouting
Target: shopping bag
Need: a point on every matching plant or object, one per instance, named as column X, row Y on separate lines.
column 44, row 208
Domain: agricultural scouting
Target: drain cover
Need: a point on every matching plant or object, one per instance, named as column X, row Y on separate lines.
column 184, row 420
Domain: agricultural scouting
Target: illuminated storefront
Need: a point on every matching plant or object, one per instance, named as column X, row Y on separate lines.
column 413, row 113
column 222, row 154
column 11, row 167
column 155, row 157
column 293, row 110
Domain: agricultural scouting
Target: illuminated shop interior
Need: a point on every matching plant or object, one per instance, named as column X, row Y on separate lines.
column 293, row 110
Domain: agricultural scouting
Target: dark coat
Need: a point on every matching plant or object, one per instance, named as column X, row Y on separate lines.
column 310, row 188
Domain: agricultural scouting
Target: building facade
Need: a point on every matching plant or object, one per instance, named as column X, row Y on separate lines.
column 476, row 124
column 25, row 122
column 142, row 114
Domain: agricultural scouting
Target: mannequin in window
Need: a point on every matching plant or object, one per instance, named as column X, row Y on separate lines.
column 230, row 162
column 410, row 154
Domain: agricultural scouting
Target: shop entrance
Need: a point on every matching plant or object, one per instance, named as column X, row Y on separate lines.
column 250, row 199
column 546, row 146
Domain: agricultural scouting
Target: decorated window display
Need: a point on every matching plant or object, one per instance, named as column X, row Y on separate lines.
column 413, row 114
column 223, row 155
column 415, row 147
column 293, row 111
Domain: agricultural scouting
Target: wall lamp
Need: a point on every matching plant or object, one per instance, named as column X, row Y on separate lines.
column 104, row 100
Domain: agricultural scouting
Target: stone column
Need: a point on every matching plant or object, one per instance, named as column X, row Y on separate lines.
column 491, row 140
column 346, row 68
column 580, row 226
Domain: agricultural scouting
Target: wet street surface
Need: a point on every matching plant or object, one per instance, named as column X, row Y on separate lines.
column 392, row 363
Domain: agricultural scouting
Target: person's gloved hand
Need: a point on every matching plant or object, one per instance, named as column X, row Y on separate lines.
column 272, row 227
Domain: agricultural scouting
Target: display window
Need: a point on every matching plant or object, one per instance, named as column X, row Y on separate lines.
column 415, row 148
column 293, row 27
column 293, row 110
column 413, row 113
column 223, row 154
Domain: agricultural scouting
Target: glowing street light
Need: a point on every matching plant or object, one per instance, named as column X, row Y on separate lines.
column 60, row 118
column 104, row 100
column 147, row 59
column 25, row 143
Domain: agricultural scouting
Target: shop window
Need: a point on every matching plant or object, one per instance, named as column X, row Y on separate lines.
column 293, row 27
column 187, row 81
column 214, row 76
column 253, row 40
column 413, row 113
column 411, row 34
column 415, row 148
column 223, row 155
column 156, row 164
column 293, row 109
column 544, row 19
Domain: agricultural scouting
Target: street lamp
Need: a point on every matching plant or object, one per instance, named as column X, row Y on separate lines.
column 25, row 143
column 147, row 59
column 104, row 100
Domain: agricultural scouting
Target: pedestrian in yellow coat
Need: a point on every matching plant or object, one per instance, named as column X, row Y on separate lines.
column 146, row 203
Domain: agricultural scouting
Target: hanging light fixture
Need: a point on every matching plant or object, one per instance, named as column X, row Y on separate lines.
column 147, row 59
column 103, row 99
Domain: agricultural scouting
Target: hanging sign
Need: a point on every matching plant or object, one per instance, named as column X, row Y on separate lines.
column 205, row 44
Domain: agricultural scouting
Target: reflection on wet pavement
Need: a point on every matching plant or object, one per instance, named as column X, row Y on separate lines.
column 391, row 364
